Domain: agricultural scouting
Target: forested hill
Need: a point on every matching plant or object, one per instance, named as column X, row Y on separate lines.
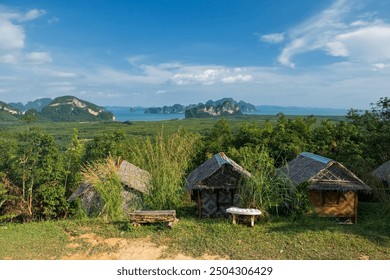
column 37, row 104
column 175, row 109
column 8, row 113
column 222, row 107
column 179, row 109
column 70, row 108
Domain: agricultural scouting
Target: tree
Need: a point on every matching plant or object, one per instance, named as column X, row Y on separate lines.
column 105, row 145
column 374, row 128
column 220, row 138
column 381, row 109
column 37, row 162
column 253, row 135
column 73, row 162
column 290, row 137
column 30, row 116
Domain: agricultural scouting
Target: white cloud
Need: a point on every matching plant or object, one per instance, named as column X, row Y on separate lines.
column 315, row 33
column 8, row 59
column 31, row 15
column 293, row 48
column 11, row 35
column 160, row 91
column 272, row 38
column 61, row 74
column 331, row 32
column 53, row 20
column 337, row 48
column 370, row 44
column 206, row 76
column 38, row 57
column 134, row 60
column 379, row 66
column 359, row 23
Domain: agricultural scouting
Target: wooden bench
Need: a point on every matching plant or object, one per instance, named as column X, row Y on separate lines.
column 235, row 211
column 156, row 216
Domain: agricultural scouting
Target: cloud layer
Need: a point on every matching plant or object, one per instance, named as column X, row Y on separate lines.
column 12, row 37
column 337, row 31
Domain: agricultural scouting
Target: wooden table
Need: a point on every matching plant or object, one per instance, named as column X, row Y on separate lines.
column 235, row 211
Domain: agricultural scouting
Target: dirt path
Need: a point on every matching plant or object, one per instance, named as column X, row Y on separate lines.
column 100, row 248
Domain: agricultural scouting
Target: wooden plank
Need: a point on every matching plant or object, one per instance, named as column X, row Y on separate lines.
column 141, row 217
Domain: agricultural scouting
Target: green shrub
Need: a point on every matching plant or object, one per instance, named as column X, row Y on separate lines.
column 298, row 202
column 51, row 201
column 263, row 189
column 167, row 159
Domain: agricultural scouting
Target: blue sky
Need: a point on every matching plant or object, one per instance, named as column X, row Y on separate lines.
column 146, row 52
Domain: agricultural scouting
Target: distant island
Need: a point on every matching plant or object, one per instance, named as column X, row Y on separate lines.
column 64, row 108
column 224, row 106
column 221, row 107
column 175, row 109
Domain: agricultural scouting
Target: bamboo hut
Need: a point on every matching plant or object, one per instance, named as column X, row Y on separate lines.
column 383, row 173
column 135, row 184
column 214, row 185
column 333, row 189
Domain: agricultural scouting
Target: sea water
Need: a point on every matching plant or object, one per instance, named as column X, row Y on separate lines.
column 123, row 114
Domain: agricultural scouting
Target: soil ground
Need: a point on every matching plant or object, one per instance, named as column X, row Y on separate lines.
column 123, row 249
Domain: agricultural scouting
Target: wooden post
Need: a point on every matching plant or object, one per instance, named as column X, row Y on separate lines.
column 200, row 203
column 355, row 207
column 252, row 221
column 218, row 206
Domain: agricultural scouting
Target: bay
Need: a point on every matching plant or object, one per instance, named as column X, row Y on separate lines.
column 123, row 114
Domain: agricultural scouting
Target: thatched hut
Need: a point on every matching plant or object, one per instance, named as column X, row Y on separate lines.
column 383, row 173
column 214, row 185
column 332, row 187
column 135, row 184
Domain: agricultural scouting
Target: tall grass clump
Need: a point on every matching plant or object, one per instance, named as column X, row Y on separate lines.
column 263, row 190
column 103, row 175
column 167, row 158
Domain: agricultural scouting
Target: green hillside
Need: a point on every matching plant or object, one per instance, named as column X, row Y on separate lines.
column 8, row 113
column 70, row 108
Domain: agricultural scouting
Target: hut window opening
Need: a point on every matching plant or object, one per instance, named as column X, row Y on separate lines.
column 330, row 198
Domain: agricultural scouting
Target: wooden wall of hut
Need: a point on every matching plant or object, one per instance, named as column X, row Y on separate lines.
column 214, row 202
column 335, row 204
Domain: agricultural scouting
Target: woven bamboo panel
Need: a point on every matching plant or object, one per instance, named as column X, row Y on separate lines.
column 326, row 203
column 215, row 202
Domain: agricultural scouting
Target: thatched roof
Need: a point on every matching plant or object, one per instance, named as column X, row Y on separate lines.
column 131, row 176
column 322, row 174
column 134, row 177
column 217, row 172
column 82, row 189
column 383, row 172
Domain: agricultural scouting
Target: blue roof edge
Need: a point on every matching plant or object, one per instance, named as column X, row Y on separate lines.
column 315, row 157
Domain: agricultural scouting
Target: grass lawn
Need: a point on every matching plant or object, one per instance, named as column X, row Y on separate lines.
column 279, row 238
